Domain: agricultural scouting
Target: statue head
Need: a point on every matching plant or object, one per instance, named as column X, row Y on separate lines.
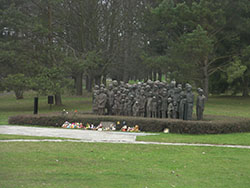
column 142, row 92
column 123, row 96
column 200, row 91
column 126, row 99
column 179, row 86
column 161, row 85
column 150, row 94
column 182, row 95
column 102, row 86
column 188, row 87
column 164, row 93
column 174, row 103
column 122, row 83
column 150, row 83
column 96, row 87
column 110, row 87
column 147, row 87
column 157, row 82
column 115, row 83
column 105, row 90
column 126, row 85
column 172, row 84
column 131, row 97
column 169, row 100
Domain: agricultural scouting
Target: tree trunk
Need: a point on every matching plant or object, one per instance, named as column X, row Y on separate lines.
column 154, row 76
column 78, row 83
column 151, row 75
column 245, row 89
column 98, row 80
column 19, row 94
column 50, row 22
column 205, row 78
column 104, row 80
column 160, row 76
column 90, row 81
column 58, row 99
column 87, row 82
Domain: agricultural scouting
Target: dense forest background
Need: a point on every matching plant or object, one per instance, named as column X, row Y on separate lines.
column 52, row 45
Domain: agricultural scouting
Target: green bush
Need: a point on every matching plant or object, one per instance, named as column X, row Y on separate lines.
column 212, row 125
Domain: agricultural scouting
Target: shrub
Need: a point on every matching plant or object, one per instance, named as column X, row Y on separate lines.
column 213, row 124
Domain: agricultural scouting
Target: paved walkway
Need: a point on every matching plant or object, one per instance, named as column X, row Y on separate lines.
column 89, row 136
column 84, row 135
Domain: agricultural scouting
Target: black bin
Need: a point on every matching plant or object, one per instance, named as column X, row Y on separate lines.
column 50, row 99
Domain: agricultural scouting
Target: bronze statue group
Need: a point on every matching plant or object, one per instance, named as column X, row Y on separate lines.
column 151, row 99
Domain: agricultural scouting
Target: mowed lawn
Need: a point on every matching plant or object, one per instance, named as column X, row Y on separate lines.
column 224, row 139
column 91, row 165
column 10, row 106
column 228, row 106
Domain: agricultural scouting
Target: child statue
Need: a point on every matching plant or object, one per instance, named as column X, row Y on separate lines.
column 200, row 104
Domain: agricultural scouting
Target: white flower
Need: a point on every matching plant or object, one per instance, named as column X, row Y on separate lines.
column 166, row 130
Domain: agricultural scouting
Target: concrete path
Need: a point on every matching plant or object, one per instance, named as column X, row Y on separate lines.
column 86, row 135
column 90, row 136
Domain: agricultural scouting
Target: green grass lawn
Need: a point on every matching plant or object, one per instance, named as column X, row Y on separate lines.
column 230, row 139
column 13, row 137
column 91, row 165
column 10, row 106
column 228, row 106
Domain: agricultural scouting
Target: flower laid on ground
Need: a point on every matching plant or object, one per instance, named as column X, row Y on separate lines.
column 100, row 127
column 64, row 112
column 88, row 126
column 72, row 125
column 166, row 130
column 125, row 128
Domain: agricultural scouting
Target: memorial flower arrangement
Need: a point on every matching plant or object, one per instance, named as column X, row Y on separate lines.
column 75, row 125
column 88, row 126
column 125, row 128
column 103, row 126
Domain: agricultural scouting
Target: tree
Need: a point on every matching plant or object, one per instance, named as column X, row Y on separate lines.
column 16, row 48
column 191, row 35
column 17, row 83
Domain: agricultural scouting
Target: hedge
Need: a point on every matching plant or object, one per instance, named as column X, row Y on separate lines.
column 216, row 125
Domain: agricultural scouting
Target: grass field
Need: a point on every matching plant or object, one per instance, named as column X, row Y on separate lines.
column 228, row 106
column 92, row 165
column 10, row 106
column 13, row 137
column 230, row 139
